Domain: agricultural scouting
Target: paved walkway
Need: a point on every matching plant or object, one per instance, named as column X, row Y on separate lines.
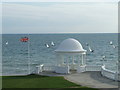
column 89, row 79
column 92, row 79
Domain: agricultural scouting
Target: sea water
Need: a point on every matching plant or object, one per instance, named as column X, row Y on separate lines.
column 17, row 55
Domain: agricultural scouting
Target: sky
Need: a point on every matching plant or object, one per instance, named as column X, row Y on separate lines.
column 59, row 17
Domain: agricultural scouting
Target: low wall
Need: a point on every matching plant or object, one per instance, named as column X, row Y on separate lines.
column 49, row 68
column 40, row 68
column 65, row 69
column 80, row 69
column 93, row 68
column 110, row 74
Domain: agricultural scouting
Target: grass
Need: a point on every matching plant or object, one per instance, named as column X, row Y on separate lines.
column 36, row 81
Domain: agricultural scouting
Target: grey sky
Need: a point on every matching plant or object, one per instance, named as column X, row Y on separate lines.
column 51, row 17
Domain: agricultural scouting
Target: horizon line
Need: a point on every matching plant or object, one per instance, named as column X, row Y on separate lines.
column 67, row 33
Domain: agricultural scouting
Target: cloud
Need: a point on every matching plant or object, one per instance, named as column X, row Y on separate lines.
column 60, row 17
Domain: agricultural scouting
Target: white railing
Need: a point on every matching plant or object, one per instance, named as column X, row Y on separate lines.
column 80, row 69
column 65, row 69
column 40, row 68
column 110, row 74
column 85, row 68
column 48, row 68
column 93, row 68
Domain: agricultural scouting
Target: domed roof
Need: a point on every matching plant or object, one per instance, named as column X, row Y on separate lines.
column 70, row 45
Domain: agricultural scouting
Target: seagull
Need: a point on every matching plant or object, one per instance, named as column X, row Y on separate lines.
column 87, row 44
column 111, row 43
column 52, row 44
column 103, row 57
column 6, row 43
column 90, row 49
column 114, row 46
column 47, row 45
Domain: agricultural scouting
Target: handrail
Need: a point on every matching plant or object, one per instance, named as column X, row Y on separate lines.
column 110, row 74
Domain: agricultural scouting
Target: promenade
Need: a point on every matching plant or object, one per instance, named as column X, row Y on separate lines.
column 92, row 79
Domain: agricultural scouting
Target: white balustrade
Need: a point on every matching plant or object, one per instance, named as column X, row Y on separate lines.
column 39, row 68
column 80, row 69
column 110, row 74
column 65, row 69
column 93, row 68
column 49, row 68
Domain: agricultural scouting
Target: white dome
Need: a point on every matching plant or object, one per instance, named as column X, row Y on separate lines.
column 70, row 45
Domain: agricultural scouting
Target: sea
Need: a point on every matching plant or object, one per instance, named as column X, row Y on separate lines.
column 17, row 55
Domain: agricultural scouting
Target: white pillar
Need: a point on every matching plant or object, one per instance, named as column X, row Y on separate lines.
column 82, row 60
column 85, row 59
column 59, row 59
column 72, row 59
column 56, row 56
column 67, row 60
column 79, row 60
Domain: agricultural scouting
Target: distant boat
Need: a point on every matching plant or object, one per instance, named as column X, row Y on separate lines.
column 6, row 43
column 24, row 39
column 90, row 49
column 111, row 43
column 52, row 44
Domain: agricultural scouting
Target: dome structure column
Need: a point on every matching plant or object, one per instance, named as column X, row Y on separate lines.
column 67, row 61
column 79, row 60
column 82, row 59
column 62, row 60
column 73, row 59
